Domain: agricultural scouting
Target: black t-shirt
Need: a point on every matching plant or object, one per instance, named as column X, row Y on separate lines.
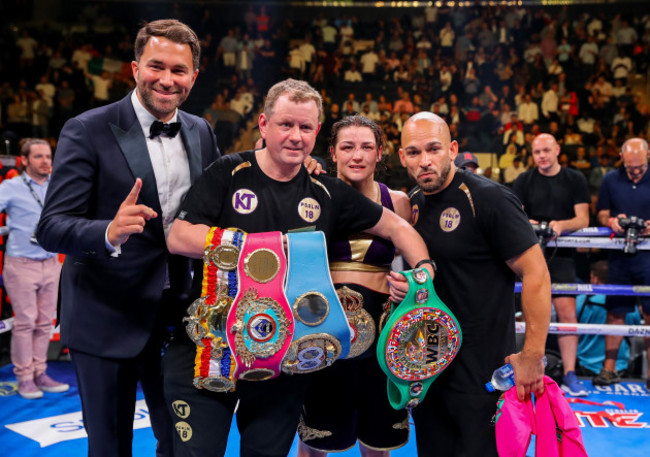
column 234, row 192
column 471, row 228
column 548, row 198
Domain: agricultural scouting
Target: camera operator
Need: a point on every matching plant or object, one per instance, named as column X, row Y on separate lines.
column 625, row 193
column 557, row 199
column 31, row 274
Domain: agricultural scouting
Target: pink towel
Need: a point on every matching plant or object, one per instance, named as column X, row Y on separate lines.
column 551, row 419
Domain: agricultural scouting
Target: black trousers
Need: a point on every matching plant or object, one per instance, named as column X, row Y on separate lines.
column 458, row 424
column 267, row 411
column 107, row 388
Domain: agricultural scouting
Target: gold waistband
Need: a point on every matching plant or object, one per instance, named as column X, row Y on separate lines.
column 357, row 266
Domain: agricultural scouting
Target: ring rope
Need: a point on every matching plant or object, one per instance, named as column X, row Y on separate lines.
column 600, row 242
column 596, row 237
column 591, row 329
column 605, row 289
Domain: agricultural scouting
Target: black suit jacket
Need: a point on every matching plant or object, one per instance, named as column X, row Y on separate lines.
column 110, row 305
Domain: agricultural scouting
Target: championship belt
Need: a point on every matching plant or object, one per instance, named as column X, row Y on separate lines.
column 206, row 322
column 361, row 322
column 260, row 326
column 419, row 340
column 322, row 333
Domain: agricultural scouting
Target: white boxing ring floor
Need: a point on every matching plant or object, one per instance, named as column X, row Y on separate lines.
column 614, row 421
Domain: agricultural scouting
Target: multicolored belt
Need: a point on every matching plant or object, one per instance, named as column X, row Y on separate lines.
column 322, row 333
column 420, row 339
column 260, row 325
column 206, row 322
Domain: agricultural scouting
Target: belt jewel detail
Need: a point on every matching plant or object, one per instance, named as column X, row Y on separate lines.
column 261, row 327
column 311, row 308
column 194, row 320
column 361, row 322
column 420, row 339
column 262, row 265
column 311, row 353
column 224, row 257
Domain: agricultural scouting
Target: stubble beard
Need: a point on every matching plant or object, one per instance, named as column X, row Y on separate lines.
column 436, row 183
column 156, row 107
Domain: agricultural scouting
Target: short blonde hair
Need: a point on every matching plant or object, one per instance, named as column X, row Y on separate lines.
column 298, row 92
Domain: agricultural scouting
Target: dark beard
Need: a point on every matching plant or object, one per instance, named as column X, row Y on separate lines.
column 435, row 184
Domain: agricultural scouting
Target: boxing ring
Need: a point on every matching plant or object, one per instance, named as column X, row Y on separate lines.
column 614, row 419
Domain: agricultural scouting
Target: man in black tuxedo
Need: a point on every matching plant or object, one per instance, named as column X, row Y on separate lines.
column 119, row 177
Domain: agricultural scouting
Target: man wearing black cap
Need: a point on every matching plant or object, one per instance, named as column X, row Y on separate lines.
column 467, row 160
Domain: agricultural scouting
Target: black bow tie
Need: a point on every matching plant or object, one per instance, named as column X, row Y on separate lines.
column 171, row 129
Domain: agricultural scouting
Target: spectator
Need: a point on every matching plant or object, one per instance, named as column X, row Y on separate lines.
column 263, row 21
column 308, row 54
column 404, row 104
column 626, row 38
column 246, row 56
column 550, row 103
column 369, row 62
column 515, row 129
column 228, row 49
column 472, row 84
column 47, row 90
column 31, row 274
column 352, row 74
column 447, row 39
column 621, row 67
column 101, row 84
column 559, row 196
column 609, row 52
column 27, row 46
column 588, row 55
column 39, row 114
column 528, row 112
column 513, row 171
column 598, row 173
column 329, row 34
column 65, row 98
column 468, row 161
column 625, row 193
column 591, row 309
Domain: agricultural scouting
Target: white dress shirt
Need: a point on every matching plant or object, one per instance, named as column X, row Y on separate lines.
column 170, row 164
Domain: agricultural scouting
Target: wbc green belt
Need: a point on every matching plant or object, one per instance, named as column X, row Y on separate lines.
column 419, row 340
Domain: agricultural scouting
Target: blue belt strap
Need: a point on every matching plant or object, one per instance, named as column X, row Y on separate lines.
column 308, row 274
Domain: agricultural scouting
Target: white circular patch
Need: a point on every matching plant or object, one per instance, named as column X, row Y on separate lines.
column 181, row 409
column 244, row 201
column 449, row 219
column 184, row 430
column 309, row 209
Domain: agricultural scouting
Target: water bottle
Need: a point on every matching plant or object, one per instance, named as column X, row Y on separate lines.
column 503, row 378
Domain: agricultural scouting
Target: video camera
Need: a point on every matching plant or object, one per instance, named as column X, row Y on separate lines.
column 632, row 226
column 544, row 233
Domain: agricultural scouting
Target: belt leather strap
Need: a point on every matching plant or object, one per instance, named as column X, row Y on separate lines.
column 322, row 334
column 420, row 339
column 259, row 325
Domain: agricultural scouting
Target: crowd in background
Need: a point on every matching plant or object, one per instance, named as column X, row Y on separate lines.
column 498, row 74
